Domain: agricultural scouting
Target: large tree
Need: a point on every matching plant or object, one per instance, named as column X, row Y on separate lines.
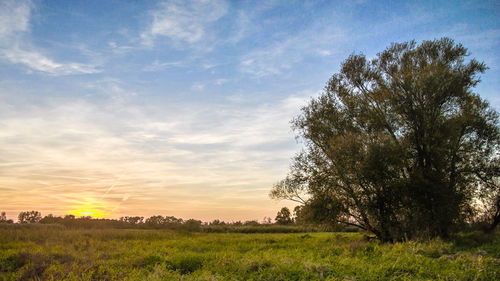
column 398, row 145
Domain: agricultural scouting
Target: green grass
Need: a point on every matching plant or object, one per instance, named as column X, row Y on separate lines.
column 55, row 253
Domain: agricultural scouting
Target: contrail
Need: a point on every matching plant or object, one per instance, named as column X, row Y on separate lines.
column 66, row 177
column 113, row 185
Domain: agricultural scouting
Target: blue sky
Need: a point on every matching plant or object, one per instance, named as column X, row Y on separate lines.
column 183, row 107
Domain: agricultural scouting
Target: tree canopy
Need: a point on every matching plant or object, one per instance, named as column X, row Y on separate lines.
column 29, row 217
column 284, row 216
column 399, row 145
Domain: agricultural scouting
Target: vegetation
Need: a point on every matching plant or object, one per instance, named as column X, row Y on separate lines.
column 48, row 252
column 399, row 146
column 167, row 222
column 284, row 216
column 29, row 217
column 3, row 218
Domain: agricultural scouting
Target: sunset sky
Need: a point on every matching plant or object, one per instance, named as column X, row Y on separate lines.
column 182, row 108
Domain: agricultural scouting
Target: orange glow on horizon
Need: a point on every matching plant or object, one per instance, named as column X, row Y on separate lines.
column 91, row 207
column 85, row 212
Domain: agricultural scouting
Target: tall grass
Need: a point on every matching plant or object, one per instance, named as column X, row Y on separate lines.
column 56, row 253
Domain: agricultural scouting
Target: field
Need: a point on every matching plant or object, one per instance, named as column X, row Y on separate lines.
column 44, row 252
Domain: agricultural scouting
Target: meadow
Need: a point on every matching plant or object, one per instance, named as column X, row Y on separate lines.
column 51, row 252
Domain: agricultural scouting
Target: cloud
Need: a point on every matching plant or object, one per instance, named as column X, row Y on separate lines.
column 14, row 17
column 158, row 66
column 284, row 54
column 162, row 157
column 36, row 61
column 197, row 86
column 119, row 49
column 183, row 21
column 113, row 89
column 240, row 28
column 481, row 40
column 221, row 81
column 324, row 53
column 15, row 48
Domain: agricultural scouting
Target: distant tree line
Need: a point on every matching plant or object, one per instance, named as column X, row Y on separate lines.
column 284, row 223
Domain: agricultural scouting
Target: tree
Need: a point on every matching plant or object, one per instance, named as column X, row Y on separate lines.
column 398, row 145
column 29, row 217
column 302, row 215
column 283, row 216
column 267, row 220
column 216, row 222
column 3, row 218
column 192, row 225
column 155, row 221
column 50, row 219
column 132, row 220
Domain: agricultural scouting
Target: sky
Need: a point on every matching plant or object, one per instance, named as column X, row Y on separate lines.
column 183, row 108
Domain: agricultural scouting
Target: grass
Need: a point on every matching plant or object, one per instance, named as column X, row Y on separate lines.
column 54, row 253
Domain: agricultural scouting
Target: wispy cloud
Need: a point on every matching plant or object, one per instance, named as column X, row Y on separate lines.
column 484, row 40
column 240, row 28
column 16, row 48
column 14, row 18
column 158, row 66
column 120, row 49
column 183, row 21
column 197, row 86
column 284, row 54
column 113, row 89
column 38, row 62
column 172, row 156
column 221, row 81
